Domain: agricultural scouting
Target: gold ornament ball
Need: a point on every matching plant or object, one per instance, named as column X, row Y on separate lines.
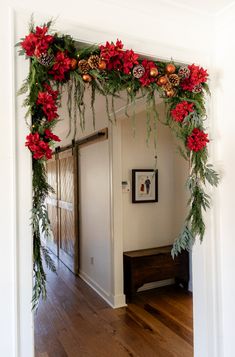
column 87, row 78
column 102, row 65
column 170, row 68
column 73, row 64
column 170, row 93
column 162, row 81
column 153, row 72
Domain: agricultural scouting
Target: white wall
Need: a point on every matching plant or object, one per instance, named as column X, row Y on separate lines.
column 148, row 225
column 224, row 115
column 63, row 125
column 158, row 29
column 181, row 195
column 94, row 207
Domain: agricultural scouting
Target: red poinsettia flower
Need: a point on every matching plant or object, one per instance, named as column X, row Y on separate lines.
column 53, row 93
column 182, row 110
column 110, row 50
column 37, row 42
column 29, row 44
column 116, row 58
column 47, row 100
column 129, row 60
column 32, row 141
column 197, row 76
column 146, row 79
column 49, row 135
column 38, row 147
column 112, row 54
column 61, row 66
column 197, row 140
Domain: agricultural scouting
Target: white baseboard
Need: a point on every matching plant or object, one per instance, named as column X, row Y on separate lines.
column 115, row 301
column 118, row 301
column 156, row 284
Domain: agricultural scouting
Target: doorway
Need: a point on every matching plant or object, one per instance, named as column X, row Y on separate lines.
column 203, row 261
column 79, row 316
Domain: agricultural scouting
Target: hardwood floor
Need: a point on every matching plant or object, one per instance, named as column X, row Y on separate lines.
column 76, row 322
column 170, row 305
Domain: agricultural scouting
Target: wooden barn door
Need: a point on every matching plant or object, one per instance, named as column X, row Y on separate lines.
column 68, row 208
column 52, row 205
column 63, row 207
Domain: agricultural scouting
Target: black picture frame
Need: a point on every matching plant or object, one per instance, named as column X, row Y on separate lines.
column 142, row 191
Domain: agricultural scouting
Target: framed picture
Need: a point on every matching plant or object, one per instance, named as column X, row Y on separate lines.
column 144, row 186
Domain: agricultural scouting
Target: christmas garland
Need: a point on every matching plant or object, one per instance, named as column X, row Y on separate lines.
column 56, row 61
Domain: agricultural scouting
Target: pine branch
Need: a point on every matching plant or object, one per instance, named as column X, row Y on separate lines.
column 24, row 88
column 206, row 87
column 39, row 276
column 198, row 201
column 184, row 241
column 49, row 261
column 40, row 223
column 211, row 175
column 93, row 96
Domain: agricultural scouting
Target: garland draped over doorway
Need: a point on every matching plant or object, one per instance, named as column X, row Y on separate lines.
column 57, row 61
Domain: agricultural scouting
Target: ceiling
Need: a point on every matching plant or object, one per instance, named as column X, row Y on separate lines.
column 206, row 6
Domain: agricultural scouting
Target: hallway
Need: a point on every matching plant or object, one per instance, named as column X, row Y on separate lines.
column 75, row 321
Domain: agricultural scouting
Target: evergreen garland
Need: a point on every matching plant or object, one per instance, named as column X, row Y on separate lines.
column 55, row 62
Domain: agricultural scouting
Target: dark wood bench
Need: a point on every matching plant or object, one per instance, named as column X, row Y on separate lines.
column 155, row 264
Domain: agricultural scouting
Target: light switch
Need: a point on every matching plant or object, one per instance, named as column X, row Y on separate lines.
column 125, row 186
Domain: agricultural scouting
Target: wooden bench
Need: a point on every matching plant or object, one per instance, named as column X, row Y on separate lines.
column 155, row 264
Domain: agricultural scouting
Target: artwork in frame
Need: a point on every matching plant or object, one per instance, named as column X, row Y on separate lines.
column 144, row 185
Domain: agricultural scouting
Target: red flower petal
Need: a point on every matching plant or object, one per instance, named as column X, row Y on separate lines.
column 197, row 140
column 182, row 110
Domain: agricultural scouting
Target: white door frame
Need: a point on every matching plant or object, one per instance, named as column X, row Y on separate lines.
column 205, row 257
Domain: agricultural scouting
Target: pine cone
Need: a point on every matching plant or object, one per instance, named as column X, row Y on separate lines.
column 138, row 71
column 94, row 61
column 174, row 80
column 184, row 72
column 84, row 66
column 46, row 59
column 197, row 88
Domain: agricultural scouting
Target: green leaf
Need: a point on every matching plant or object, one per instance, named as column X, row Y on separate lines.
column 24, row 88
column 184, row 241
column 206, row 87
column 211, row 175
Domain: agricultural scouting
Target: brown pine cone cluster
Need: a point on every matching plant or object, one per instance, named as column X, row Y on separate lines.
column 94, row 61
column 174, row 80
column 84, row 66
column 169, row 81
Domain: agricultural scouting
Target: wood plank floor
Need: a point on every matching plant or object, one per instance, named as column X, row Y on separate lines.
column 76, row 322
column 171, row 305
